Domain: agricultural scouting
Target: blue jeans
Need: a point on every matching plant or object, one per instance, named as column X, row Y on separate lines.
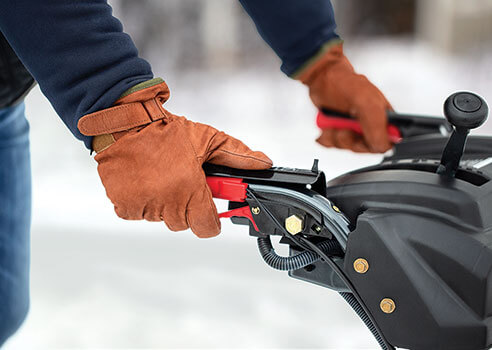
column 15, row 219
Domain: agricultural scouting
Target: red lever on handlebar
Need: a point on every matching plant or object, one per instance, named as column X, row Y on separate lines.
column 231, row 189
column 337, row 122
column 243, row 212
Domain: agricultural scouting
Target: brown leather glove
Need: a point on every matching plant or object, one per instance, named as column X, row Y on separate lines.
column 333, row 84
column 150, row 161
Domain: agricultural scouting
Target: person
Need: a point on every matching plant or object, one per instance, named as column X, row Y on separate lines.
column 149, row 159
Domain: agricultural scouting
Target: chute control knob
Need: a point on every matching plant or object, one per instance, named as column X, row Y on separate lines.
column 465, row 111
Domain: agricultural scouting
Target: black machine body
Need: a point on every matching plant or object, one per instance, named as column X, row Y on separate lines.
column 407, row 242
column 428, row 241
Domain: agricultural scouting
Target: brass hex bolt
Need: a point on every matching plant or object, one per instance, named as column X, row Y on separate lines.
column 255, row 210
column 294, row 224
column 361, row 265
column 387, row 305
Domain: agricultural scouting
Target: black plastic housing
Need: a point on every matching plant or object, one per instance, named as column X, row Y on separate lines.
column 428, row 241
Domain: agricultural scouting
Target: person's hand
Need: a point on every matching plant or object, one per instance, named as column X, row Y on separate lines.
column 150, row 161
column 333, row 84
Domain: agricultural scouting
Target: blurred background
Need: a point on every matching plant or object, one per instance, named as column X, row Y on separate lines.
column 101, row 282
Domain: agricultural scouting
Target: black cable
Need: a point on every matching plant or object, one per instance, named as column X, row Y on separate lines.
column 297, row 261
column 353, row 300
column 355, row 304
column 357, row 307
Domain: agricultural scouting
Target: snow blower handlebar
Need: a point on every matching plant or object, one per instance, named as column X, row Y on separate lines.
column 304, row 190
column 400, row 126
column 294, row 196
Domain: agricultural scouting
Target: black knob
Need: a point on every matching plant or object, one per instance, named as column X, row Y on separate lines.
column 465, row 111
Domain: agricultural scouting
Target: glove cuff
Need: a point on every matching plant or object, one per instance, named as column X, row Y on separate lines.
column 330, row 55
column 142, row 86
column 141, row 105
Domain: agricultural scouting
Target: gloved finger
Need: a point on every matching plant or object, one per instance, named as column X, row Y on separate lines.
column 226, row 150
column 201, row 214
column 174, row 217
column 374, row 121
column 348, row 139
column 359, row 145
column 343, row 138
column 326, row 138
column 126, row 214
column 152, row 212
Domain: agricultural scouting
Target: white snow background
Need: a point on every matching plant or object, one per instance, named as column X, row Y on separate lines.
column 101, row 282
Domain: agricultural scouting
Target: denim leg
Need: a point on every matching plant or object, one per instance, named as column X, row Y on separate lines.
column 15, row 219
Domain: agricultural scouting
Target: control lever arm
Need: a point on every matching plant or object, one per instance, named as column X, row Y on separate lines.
column 465, row 111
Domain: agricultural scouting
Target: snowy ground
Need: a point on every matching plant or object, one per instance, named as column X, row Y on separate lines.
column 101, row 282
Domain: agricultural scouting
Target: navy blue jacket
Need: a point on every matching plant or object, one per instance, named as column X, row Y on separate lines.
column 83, row 61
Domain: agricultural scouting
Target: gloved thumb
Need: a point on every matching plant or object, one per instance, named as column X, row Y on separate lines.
column 228, row 151
column 374, row 123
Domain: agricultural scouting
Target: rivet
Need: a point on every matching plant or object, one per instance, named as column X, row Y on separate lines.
column 361, row 265
column 387, row 305
column 255, row 210
column 335, row 208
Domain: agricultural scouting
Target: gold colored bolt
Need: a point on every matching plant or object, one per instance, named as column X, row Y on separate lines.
column 387, row 305
column 335, row 208
column 294, row 224
column 255, row 210
column 361, row 265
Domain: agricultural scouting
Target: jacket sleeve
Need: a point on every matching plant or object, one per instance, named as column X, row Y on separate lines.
column 77, row 52
column 295, row 29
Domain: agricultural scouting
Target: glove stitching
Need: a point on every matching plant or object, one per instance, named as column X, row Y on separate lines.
column 244, row 156
column 208, row 151
column 104, row 130
column 203, row 183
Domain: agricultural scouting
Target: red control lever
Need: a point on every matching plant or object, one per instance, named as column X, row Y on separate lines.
column 325, row 121
column 243, row 212
column 231, row 189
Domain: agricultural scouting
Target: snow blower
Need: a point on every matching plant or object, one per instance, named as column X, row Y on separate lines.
column 407, row 242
